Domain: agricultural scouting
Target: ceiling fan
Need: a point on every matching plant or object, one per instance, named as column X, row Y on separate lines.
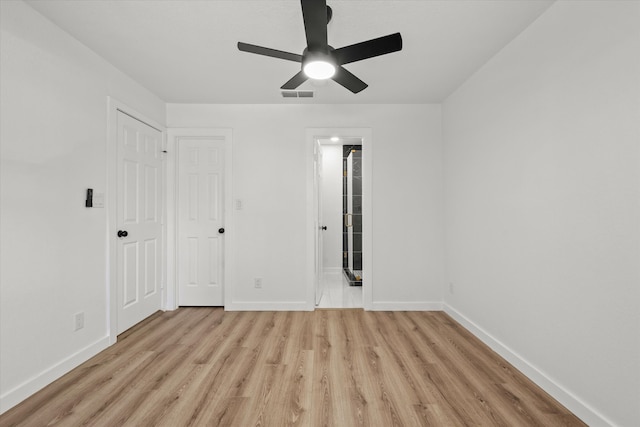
column 321, row 61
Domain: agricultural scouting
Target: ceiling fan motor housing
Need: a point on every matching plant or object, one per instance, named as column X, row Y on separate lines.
column 319, row 63
column 318, row 55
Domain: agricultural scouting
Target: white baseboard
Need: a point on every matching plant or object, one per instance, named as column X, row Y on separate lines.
column 268, row 306
column 304, row 306
column 562, row 395
column 405, row 306
column 12, row 397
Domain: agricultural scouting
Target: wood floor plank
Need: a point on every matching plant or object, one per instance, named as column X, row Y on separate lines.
column 221, row 378
column 297, row 390
column 418, row 370
column 452, row 369
column 325, row 402
column 266, row 395
column 164, row 404
column 349, row 348
column 207, row 367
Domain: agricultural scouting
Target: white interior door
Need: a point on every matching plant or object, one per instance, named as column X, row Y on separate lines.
column 319, row 267
column 139, row 221
column 200, row 221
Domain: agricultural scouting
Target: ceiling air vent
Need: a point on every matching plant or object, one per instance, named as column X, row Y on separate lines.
column 297, row 94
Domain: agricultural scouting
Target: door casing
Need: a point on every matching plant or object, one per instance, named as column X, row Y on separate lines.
column 318, row 223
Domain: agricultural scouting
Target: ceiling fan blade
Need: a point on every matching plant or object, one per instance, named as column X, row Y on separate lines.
column 251, row 48
column 348, row 80
column 295, row 81
column 314, row 14
column 368, row 49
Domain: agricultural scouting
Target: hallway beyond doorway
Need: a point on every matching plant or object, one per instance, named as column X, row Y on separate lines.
column 337, row 292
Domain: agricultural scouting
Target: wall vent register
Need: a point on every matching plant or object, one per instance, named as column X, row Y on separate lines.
column 297, row 94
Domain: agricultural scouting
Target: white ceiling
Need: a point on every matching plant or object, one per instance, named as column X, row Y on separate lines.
column 185, row 50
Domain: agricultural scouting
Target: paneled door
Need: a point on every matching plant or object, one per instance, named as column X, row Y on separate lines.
column 201, row 221
column 139, row 221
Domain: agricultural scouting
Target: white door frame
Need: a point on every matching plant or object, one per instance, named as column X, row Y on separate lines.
column 173, row 136
column 318, row 223
column 113, row 106
column 312, row 134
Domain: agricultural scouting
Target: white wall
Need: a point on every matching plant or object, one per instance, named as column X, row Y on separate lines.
column 332, row 206
column 269, row 170
column 53, row 104
column 542, row 185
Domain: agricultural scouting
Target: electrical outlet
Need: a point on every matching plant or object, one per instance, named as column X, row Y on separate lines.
column 257, row 282
column 79, row 321
column 450, row 287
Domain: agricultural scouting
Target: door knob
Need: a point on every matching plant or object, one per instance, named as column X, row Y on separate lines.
column 221, row 230
column 324, row 227
column 122, row 233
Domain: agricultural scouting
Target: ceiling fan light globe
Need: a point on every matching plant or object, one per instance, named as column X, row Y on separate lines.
column 319, row 70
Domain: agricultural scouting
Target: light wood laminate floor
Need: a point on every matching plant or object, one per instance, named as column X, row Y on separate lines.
column 208, row 367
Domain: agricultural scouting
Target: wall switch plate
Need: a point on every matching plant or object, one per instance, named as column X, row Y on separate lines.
column 98, row 200
column 238, row 204
column 78, row 321
column 257, row 282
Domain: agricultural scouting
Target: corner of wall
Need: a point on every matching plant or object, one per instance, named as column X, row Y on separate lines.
column 582, row 410
column 16, row 395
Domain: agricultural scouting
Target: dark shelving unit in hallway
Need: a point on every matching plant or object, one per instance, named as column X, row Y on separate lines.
column 354, row 276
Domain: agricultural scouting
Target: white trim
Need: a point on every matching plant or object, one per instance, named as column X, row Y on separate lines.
column 406, row 306
column 268, row 306
column 367, row 211
column 173, row 134
column 113, row 106
column 16, row 395
column 582, row 410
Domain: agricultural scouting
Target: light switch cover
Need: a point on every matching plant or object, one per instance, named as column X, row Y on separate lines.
column 98, row 200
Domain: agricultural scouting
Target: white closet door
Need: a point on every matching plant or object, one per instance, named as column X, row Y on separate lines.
column 201, row 221
column 139, row 221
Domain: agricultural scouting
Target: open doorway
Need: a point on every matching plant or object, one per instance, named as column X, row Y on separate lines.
column 317, row 274
column 341, row 205
column 340, row 261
